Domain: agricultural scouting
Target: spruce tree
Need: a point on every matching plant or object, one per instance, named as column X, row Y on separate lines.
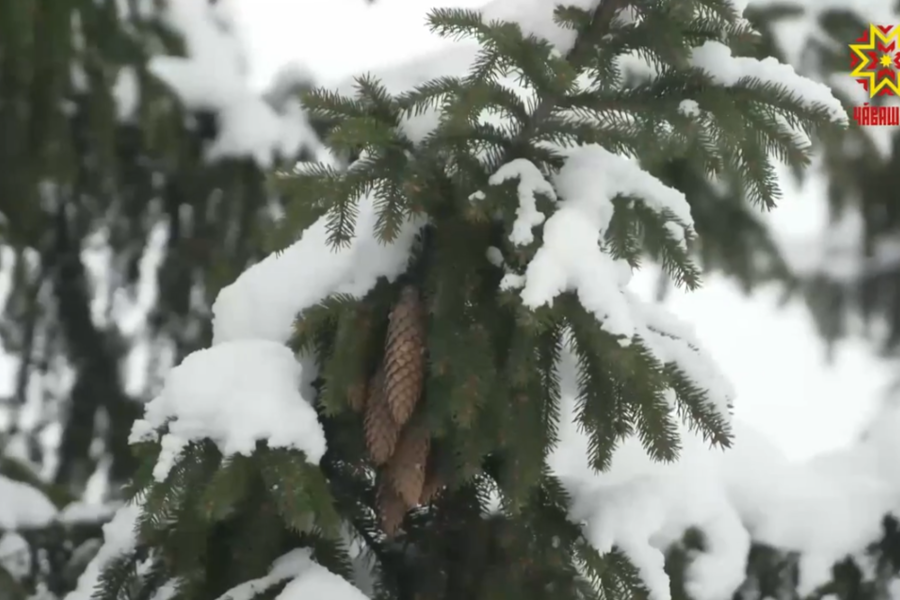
column 438, row 391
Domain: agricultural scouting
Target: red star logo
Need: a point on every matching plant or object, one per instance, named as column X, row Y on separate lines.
column 875, row 60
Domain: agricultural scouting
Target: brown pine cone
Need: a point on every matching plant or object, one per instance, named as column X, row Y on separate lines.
column 404, row 355
column 406, row 469
column 381, row 430
column 391, row 509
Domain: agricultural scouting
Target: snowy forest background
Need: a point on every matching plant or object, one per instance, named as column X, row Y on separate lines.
column 109, row 283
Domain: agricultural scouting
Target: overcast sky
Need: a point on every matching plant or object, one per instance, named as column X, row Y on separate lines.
column 771, row 354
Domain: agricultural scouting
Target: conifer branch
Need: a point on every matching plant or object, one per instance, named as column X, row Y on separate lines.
column 579, row 54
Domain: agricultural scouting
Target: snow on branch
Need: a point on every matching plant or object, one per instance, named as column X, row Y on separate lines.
column 572, row 257
column 28, row 518
column 213, row 77
column 22, row 505
column 715, row 58
column 825, row 509
column 307, row 580
column 234, row 394
column 118, row 539
column 266, row 298
column 675, row 342
column 531, row 182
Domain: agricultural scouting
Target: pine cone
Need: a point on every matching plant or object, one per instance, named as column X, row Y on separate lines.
column 404, row 355
column 406, row 469
column 381, row 430
column 391, row 509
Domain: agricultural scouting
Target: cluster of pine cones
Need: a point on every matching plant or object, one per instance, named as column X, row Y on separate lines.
column 400, row 447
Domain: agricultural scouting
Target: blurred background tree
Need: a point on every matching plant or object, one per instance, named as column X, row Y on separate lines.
column 124, row 212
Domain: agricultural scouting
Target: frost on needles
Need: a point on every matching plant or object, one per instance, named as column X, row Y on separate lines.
column 392, row 385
